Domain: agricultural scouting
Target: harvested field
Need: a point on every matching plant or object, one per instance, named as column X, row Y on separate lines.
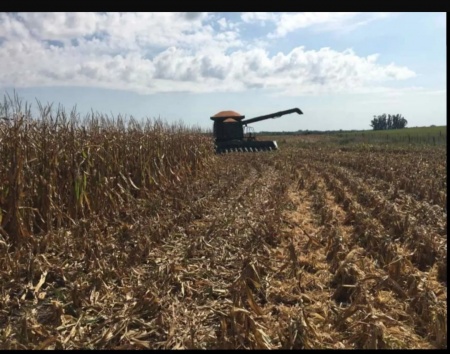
column 139, row 237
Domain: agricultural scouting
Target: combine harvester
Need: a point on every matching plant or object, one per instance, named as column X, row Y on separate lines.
column 229, row 134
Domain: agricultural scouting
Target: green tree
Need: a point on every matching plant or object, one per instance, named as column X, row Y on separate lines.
column 383, row 122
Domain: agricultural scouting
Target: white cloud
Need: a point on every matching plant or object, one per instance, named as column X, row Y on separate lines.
column 60, row 25
column 116, row 30
column 382, row 95
column 290, row 22
column 320, row 21
column 167, row 52
column 252, row 17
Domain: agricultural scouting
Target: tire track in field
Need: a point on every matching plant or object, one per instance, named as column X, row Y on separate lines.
column 207, row 257
column 304, row 246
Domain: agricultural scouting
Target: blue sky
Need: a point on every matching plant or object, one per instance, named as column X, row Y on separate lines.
column 340, row 69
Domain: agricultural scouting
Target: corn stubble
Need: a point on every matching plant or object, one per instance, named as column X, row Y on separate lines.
column 124, row 235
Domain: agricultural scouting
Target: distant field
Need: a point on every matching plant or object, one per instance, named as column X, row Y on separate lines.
column 424, row 135
column 408, row 136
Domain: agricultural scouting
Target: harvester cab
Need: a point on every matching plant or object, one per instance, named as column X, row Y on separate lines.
column 249, row 133
column 228, row 130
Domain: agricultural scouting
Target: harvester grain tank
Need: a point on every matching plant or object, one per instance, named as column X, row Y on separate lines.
column 228, row 130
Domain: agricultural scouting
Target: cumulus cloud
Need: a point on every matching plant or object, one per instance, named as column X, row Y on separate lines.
column 59, row 25
column 167, row 52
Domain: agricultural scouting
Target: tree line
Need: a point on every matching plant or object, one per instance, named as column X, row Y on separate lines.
column 385, row 122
